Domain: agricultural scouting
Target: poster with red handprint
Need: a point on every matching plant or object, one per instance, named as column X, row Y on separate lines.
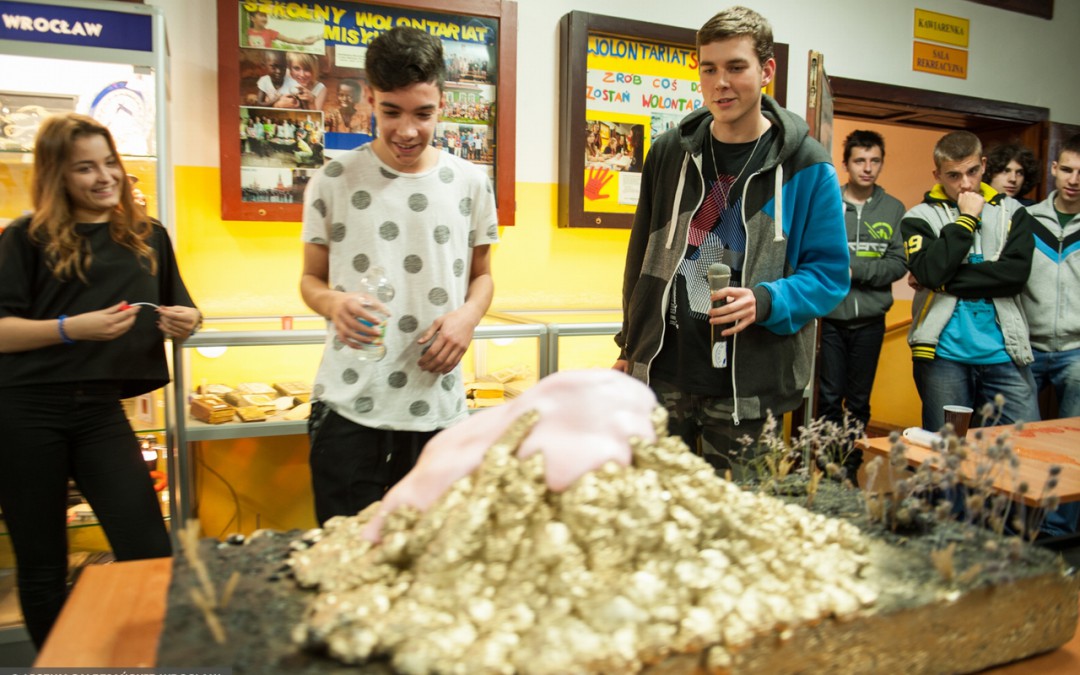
column 634, row 89
column 625, row 84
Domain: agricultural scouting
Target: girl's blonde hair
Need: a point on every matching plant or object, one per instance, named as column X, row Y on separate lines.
column 53, row 226
column 308, row 60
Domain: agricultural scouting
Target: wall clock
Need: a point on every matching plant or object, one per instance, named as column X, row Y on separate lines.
column 126, row 114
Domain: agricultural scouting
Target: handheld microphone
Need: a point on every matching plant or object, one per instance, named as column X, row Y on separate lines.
column 719, row 278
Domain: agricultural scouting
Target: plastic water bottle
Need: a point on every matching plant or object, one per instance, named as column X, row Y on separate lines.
column 375, row 284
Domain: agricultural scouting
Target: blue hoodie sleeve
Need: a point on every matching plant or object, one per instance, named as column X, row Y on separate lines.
column 817, row 252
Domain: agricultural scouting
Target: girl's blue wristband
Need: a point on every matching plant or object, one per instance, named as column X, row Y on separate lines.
column 63, row 335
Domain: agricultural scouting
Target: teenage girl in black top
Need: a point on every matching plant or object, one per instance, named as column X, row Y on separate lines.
column 73, row 342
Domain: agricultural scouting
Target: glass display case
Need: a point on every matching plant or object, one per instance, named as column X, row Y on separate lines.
column 112, row 64
column 233, row 350
column 576, row 339
column 584, row 339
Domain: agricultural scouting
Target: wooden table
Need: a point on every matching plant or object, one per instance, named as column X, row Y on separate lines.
column 1039, row 446
column 115, row 615
column 113, row 618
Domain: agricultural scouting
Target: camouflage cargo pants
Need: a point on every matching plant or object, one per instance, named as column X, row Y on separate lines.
column 705, row 424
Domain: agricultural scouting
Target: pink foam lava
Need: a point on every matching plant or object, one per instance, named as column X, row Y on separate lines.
column 587, row 418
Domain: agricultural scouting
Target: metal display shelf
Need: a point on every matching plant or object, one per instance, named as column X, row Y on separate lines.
column 201, row 431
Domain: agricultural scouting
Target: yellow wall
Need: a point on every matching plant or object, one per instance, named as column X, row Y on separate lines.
column 253, row 268
column 233, row 267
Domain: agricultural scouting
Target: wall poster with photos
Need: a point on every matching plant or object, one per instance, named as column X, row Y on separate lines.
column 624, row 83
column 293, row 92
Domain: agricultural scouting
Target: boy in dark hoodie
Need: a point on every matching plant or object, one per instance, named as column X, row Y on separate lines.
column 969, row 248
column 741, row 183
column 851, row 336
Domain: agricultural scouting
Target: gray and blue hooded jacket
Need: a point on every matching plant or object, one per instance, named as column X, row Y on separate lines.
column 1051, row 298
column 796, row 257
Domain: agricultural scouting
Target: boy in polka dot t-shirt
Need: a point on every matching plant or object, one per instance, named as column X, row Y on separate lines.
column 428, row 219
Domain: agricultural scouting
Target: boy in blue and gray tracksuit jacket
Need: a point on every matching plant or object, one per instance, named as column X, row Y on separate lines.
column 795, row 259
column 1051, row 301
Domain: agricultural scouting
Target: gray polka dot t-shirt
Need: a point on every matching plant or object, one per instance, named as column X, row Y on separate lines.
column 421, row 228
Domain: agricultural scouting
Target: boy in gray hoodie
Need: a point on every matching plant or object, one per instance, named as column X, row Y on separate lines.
column 851, row 336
